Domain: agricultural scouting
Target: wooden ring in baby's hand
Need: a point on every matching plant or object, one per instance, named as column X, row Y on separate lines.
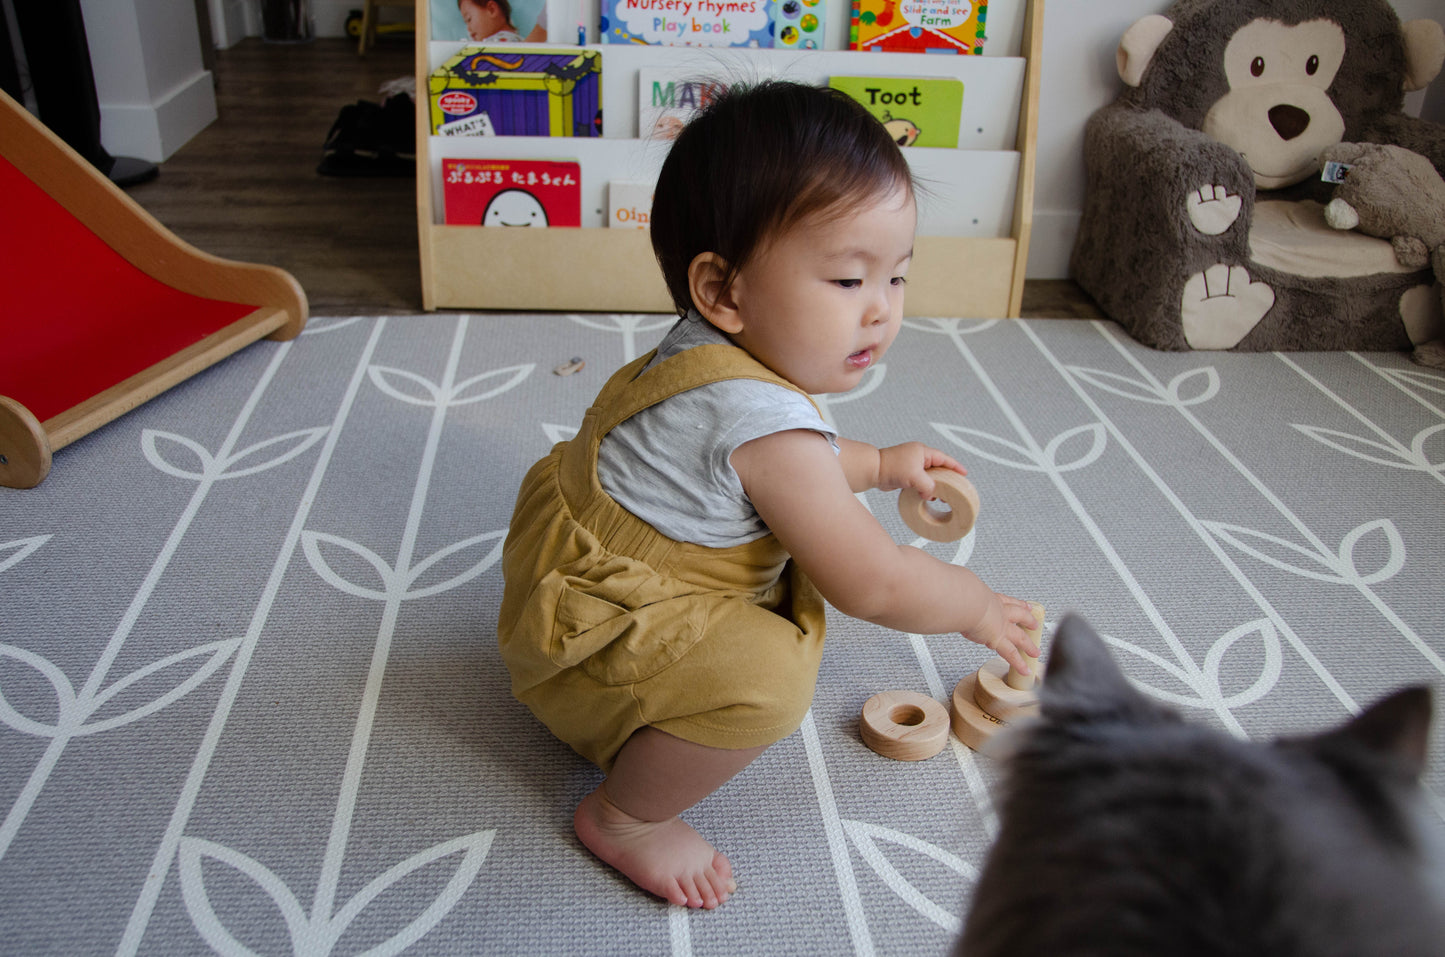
column 904, row 725
column 956, row 492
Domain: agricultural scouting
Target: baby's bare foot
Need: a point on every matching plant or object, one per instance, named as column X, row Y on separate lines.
column 667, row 858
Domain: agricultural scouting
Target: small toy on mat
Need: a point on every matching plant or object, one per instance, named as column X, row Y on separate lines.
column 956, row 492
column 904, row 725
column 996, row 694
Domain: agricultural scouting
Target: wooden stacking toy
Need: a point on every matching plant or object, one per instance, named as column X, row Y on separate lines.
column 904, row 725
column 956, row 492
column 996, row 694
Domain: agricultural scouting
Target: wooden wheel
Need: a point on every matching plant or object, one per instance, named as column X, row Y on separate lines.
column 24, row 449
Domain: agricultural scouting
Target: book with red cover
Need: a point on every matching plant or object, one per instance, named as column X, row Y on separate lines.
column 503, row 192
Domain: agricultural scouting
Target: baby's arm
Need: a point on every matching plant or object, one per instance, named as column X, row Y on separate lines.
column 896, row 467
column 804, row 492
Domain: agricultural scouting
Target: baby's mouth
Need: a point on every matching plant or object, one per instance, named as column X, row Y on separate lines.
column 861, row 359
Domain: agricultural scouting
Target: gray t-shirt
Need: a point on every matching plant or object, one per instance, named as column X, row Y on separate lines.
column 669, row 464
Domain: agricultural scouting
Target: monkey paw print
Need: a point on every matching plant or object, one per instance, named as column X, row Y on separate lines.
column 1213, row 209
column 1221, row 305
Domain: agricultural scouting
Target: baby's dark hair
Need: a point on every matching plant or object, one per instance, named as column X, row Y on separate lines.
column 757, row 160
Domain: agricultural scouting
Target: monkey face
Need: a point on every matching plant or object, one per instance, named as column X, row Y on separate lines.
column 1277, row 113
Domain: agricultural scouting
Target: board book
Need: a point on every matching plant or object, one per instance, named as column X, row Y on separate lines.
column 918, row 26
column 668, row 98
column 515, row 193
column 513, row 90
column 797, row 24
column 918, row 111
column 693, row 23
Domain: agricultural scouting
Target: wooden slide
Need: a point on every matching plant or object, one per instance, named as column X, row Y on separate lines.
column 102, row 307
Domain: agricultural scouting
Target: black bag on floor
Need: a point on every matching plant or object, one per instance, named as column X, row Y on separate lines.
column 370, row 139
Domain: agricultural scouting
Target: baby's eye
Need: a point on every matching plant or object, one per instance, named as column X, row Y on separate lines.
column 899, row 280
column 849, row 283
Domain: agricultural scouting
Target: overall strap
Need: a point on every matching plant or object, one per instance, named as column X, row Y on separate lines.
column 698, row 366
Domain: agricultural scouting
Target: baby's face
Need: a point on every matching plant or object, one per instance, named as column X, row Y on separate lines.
column 822, row 302
column 482, row 19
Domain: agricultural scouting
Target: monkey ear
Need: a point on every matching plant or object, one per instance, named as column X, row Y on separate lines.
column 1136, row 49
column 1424, row 53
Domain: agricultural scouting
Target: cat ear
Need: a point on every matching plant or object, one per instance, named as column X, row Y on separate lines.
column 1082, row 682
column 1397, row 726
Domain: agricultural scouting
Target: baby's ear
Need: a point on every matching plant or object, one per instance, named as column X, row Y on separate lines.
column 1082, row 683
column 707, row 280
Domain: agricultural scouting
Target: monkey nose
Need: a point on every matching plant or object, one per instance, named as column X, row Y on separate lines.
column 1288, row 121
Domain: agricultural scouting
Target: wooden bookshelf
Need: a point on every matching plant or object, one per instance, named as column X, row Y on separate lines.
column 975, row 218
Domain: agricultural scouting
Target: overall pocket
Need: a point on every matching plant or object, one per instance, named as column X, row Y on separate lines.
column 623, row 622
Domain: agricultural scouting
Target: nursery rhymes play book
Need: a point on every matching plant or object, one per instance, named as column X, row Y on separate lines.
column 918, row 111
column 918, row 26
column 514, row 90
column 694, row 23
column 517, row 193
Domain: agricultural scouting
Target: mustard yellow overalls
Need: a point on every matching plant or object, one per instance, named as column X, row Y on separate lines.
column 607, row 625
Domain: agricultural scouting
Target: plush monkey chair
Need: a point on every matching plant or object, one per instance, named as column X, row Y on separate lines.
column 1203, row 224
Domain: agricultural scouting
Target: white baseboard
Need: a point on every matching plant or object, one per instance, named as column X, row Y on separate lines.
column 156, row 131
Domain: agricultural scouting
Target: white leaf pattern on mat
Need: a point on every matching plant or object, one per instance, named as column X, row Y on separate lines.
column 558, row 433
column 300, row 440
column 13, row 553
column 629, row 324
column 1417, row 379
column 509, row 377
column 319, row 933
column 1207, row 685
column 73, row 713
column 213, row 656
column 393, row 381
column 397, row 584
column 1382, row 453
column 64, row 694
column 439, row 557
column 391, row 583
column 865, row 838
column 1340, row 568
column 316, row 327
column 950, row 327
column 1092, row 437
column 154, row 441
column 1141, row 390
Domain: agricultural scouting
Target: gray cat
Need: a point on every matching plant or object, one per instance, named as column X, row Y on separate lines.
column 1126, row 831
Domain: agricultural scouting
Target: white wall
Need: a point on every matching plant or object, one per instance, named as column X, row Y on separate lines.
column 155, row 93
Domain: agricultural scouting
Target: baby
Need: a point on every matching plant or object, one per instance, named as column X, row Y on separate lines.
column 666, row 569
column 489, row 21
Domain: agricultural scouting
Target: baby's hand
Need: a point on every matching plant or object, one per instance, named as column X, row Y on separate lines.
column 1005, row 628
column 907, row 465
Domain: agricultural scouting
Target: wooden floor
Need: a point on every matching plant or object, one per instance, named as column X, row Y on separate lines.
column 246, row 187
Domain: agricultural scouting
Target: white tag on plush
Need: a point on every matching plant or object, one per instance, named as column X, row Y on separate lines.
column 1335, row 172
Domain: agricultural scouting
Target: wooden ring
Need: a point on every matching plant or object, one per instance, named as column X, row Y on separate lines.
column 904, row 725
column 956, row 492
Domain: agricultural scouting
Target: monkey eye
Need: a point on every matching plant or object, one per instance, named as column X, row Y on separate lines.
column 1257, row 66
column 1312, row 66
